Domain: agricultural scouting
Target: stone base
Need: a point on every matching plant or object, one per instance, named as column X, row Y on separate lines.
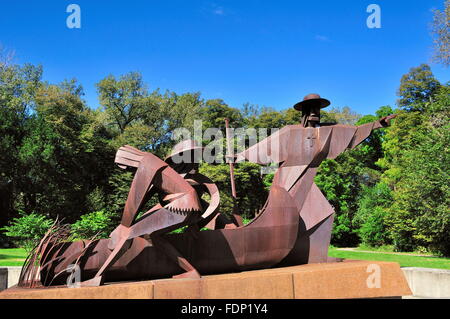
column 428, row 283
column 348, row 279
column 9, row 276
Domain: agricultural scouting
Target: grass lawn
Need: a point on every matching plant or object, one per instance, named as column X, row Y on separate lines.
column 402, row 259
column 12, row 257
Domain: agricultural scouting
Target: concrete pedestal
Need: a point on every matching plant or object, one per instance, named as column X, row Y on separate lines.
column 349, row 279
column 9, row 276
column 428, row 283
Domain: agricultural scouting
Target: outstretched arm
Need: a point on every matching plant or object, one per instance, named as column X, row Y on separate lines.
column 363, row 131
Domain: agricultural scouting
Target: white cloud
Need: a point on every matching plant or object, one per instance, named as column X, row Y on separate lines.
column 219, row 11
column 322, row 38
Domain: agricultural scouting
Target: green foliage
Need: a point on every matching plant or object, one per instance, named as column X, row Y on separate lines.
column 441, row 35
column 119, row 183
column 249, row 187
column 97, row 224
column 214, row 113
column 343, row 233
column 335, row 180
column 123, row 99
column 18, row 86
column 268, row 118
column 96, row 200
column 342, row 116
column 341, row 181
column 65, row 155
column 27, row 230
column 417, row 158
column 267, row 180
column 144, row 119
column 417, row 88
column 370, row 218
column 373, row 230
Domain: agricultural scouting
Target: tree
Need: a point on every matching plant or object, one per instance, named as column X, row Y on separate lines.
column 65, row 155
column 6, row 56
column 335, row 180
column 145, row 119
column 176, row 111
column 343, row 115
column 270, row 119
column 371, row 216
column 417, row 88
column 214, row 112
column 293, row 117
column 250, row 112
column 18, row 86
column 417, row 161
column 440, row 29
column 123, row 99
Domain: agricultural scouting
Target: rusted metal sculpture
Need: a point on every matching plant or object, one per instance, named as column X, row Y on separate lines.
column 180, row 188
column 180, row 207
column 184, row 160
column 262, row 243
column 300, row 149
column 294, row 227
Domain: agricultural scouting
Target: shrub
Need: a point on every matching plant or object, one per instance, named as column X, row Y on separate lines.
column 343, row 234
column 27, row 230
column 374, row 231
column 98, row 224
column 370, row 218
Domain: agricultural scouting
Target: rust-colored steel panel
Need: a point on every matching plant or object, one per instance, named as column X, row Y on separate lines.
column 263, row 243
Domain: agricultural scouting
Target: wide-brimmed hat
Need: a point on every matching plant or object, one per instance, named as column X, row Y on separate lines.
column 312, row 100
column 184, row 146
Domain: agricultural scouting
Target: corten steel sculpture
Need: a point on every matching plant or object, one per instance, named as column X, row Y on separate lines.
column 299, row 149
column 180, row 187
column 294, row 227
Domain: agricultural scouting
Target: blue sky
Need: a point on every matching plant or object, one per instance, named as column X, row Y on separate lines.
column 270, row 53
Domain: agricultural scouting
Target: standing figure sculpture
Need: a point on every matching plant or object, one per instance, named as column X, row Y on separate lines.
column 300, row 149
